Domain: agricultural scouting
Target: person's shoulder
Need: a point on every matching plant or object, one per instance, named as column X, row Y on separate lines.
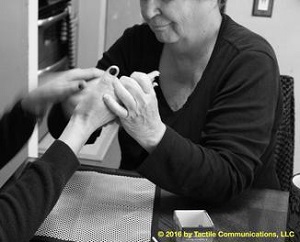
column 139, row 31
column 141, row 40
column 243, row 39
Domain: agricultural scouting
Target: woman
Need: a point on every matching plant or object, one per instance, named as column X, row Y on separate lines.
column 208, row 130
column 25, row 203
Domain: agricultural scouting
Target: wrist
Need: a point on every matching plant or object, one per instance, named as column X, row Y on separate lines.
column 76, row 134
column 151, row 142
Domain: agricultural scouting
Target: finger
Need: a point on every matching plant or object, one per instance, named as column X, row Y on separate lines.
column 92, row 83
column 72, row 88
column 133, row 88
column 152, row 75
column 143, row 80
column 114, row 106
column 108, row 78
column 124, row 95
column 85, row 74
column 82, row 85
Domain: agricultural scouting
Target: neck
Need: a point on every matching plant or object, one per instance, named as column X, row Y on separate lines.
column 198, row 46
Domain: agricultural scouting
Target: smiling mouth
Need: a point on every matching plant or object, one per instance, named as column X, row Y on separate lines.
column 159, row 26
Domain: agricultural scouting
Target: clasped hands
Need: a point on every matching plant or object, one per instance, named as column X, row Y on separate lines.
column 103, row 98
column 132, row 100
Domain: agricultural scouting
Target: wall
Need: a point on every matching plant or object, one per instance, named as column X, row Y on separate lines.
column 14, row 64
column 120, row 15
column 100, row 24
column 91, row 32
column 282, row 30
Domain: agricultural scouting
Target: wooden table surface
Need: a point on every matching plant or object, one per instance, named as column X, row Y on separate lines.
column 255, row 211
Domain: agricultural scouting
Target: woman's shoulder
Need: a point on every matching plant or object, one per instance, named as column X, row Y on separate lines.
column 142, row 47
column 243, row 39
column 139, row 31
column 140, row 37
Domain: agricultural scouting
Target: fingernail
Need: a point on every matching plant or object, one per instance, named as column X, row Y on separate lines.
column 152, row 75
column 154, row 84
column 80, row 86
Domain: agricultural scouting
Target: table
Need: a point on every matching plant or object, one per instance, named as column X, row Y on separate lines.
column 255, row 211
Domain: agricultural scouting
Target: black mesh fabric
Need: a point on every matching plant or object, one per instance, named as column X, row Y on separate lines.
column 284, row 150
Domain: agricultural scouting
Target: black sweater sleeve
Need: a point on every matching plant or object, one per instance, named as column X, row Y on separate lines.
column 239, row 126
column 25, row 204
column 16, row 127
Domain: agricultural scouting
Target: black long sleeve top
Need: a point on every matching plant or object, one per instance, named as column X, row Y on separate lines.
column 25, row 204
column 221, row 141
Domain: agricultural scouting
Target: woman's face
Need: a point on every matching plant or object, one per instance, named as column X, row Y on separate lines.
column 174, row 20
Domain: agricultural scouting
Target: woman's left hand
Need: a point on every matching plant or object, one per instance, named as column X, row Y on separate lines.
column 139, row 116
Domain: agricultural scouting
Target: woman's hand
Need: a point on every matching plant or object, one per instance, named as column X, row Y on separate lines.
column 91, row 109
column 104, row 84
column 90, row 113
column 139, row 116
column 58, row 86
column 71, row 102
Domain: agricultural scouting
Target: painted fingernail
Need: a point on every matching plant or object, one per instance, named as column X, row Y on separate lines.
column 80, row 86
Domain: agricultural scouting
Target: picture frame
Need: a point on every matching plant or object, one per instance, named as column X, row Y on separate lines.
column 263, row 8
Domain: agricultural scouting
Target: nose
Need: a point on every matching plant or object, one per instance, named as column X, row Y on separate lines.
column 149, row 8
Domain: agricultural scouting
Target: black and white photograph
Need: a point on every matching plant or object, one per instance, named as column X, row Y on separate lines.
column 149, row 121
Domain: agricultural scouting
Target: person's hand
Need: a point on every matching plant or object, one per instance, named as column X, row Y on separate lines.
column 91, row 109
column 90, row 113
column 139, row 116
column 71, row 102
column 104, row 84
column 57, row 87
